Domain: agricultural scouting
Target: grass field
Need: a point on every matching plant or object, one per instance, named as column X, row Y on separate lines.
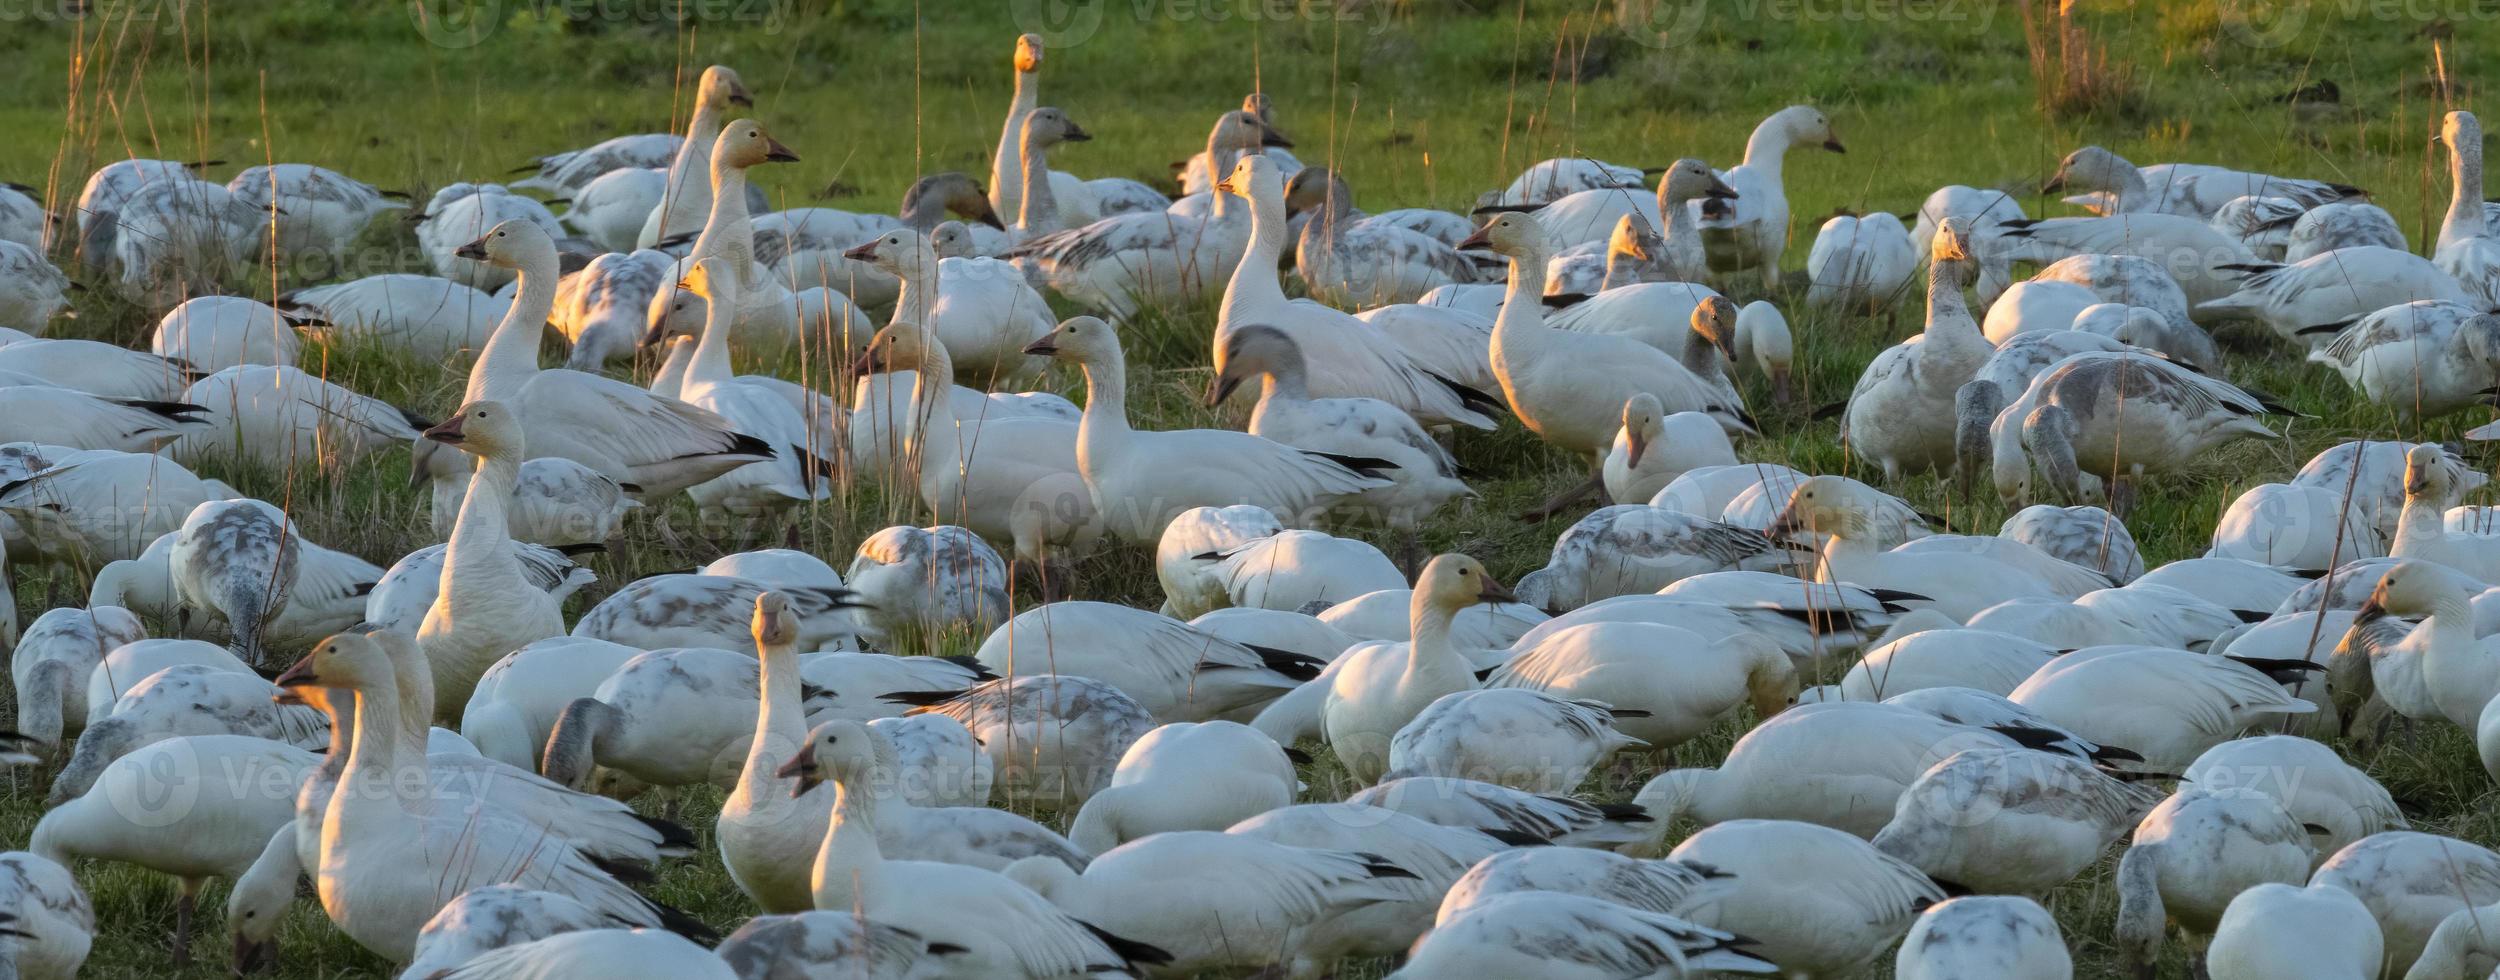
column 1418, row 102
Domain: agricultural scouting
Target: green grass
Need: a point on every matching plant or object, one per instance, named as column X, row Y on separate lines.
column 1418, row 102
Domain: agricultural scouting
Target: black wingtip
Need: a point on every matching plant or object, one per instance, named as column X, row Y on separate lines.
column 672, row 834
column 2251, row 615
column 980, row 671
column 920, row 699
column 1830, row 411
column 1556, row 301
column 1625, row 812
column 1516, row 838
column 1372, row 467
column 1128, row 949
column 1289, row 663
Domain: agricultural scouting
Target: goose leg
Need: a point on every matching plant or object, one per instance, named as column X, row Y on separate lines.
column 182, row 924
column 1595, row 485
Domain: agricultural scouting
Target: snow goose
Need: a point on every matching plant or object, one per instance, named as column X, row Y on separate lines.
column 1752, row 230
column 766, row 312
column 2167, row 704
column 484, row 606
column 1842, row 765
column 464, row 212
column 1150, row 476
column 2132, row 280
column 96, row 368
column 2083, row 535
column 2337, row 802
column 1711, row 491
column 1834, row 613
column 1763, row 342
column 1290, row 570
column 1384, row 615
column 1955, row 584
column 1375, row 690
column 23, row 219
column 1057, row 737
column 400, row 599
column 2231, row 583
column 2431, row 489
column 1902, row 409
column 1500, row 810
column 1293, row 632
column 2308, row 302
column 181, row 238
column 805, row 245
column 559, row 173
column 2460, row 946
column 1445, row 341
column 2011, row 821
column 370, row 839
column 610, row 210
column 1815, row 901
column 2025, row 356
column 927, row 582
column 601, row 310
column 596, row 952
column 79, row 508
column 2157, row 237
column 109, row 189
column 797, row 473
column 2421, row 359
column 49, row 666
column 2192, row 855
column 1558, row 936
column 626, row 433
column 980, row 308
column 68, row 417
column 426, row 317
column 1634, row 253
column 1198, row 175
column 517, row 701
column 1626, row 549
column 1671, row 684
column 2005, row 936
column 314, row 213
column 1154, row 889
column 279, row 416
column 823, row 944
column 1981, row 659
column 1174, row 672
column 2412, row 883
column 1358, row 263
column 2467, row 250
column 31, row 289
column 942, row 766
column 210, row 333
column 2066, row 426
column 973, row 836
column 2109, row 185
column 687, row 197
column 2035, row 305
column 217, row 834
column 2343, row 224
column 1860, row 262
column 765, row 823
column 1426, row 476
column 2261, row 222
column 1434, row 854
column 234, row 561
column 486, row 919
column 1003, row 928
column 54, row 925
column 2294, row 527
column 1653, row 448
column 1660, row 886
column 1014, row 479
column 1347, row 357
column 698, row 610
column 123, row 667
column 1553, row 179
column 175, row 701
column 2276, row 929
column 1520, row 738
column 1121, row 263
column 1584, row 219
column 2459, row 670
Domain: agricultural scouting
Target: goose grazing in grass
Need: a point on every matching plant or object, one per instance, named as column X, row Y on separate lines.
column 2068, row 428
column 1663, row 887
column 1500, row 810
column 601, row 309
column 2310, row 301
column 981, row 309
column 1289, row 570
column 1860, row 262
column 401, row 597
column 1814, row 901
column 1347, row 356
column 518, row 700
column 571, row 170
column 53, row 924
column 1003, row 928
column 597, row 952
column 824, row 944
column 1373, row 691
column 805, row 245
column 2339, row 804
column 49, row 666
column 1434, row 854
column 2167, row 704
column 426, row 317
column 2277, row 929
column 314, row 213
column 1550, row 180
column 796, row 474
column 483, row 920
column 1587, row 218
column 32, row 290
column 1751, row 230
column 1521, row 738
column 1425, row 476
column 465, row 212
column 2421, row 359
column 2192, row 855
column 2035, row 305
column 2212, row 275
column 1187, row 776
column 2082, row 535
column 2412, row 883
column 2343, row 224
column 687, row 196
column 1670, row 684
column 210, row 333
column 485, row 605
column 97, row 368
column 932, row 580
column 1144, row 478
column 107, row 190
column 234, row 562
column 78, row 507
column 2261, row 222
column 707, row 610
column 671, row 717
column 2147, row 328
column 22, row 217
column 1627, row 549
column 630, row 435
column 981, row 471
column 2109, row 185
column 371, row 842
column 1654, row 448
column 1125, row 262
column 1055, row 737
column 1901, row 411
column 2053, row 818
column 2004, row 936
column 181, row 238
column 1550, row 935
column 1174, row 672
column 1955, row 584
column 1358, row 262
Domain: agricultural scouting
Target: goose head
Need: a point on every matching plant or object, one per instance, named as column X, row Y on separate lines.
column 1255, row 177
column 1513, row 233
column 951, row 240
column 2090, row 169
column 774, row 627
column 1237, row 131
column 2460, row 130
column 898, row 347
column 1824, row 504
column 839, row 750
column 1453, row 582
column 710, row 279
column 1952, row 242
column 744, row 143
column 1642, row 417
column 348, row 661
column 900, row 251
column 518, row 244
column 1028, row 53
column 1050, row 126
column 1633, row 238
column 1807, row 124
column 2413, row 589
column 480, row 428
column 721, row 88
column 1251, row 351
column 1714, row 320
column 1317, row 187
column 1689, row 179
column 1258, row 105
column 953, row 192
column 1080, row 339
column 2426, row 476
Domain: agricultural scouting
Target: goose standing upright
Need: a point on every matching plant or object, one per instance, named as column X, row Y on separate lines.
column 1902, row 410
column 980, row 309
column 767, row 311
column 796, row 474
column 1753, row 228
column 687, row 197
column 1374, row 690
column 485, row 607
column 2467, row 248
column 765, row 824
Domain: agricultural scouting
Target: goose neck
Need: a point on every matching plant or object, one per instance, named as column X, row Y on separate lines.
column 726, row 232
column 2465, row 199
column 850, row 849
column 1429, row 653
column 1037, row 214
column 709, row 365
column 1767, row 148
column 1522, row 317
column 1105, row 423
column 936, row 445
column 690, row 172
column 780, row 720
column 1948, row 312
column 920, row 287
column 510, row 357
column 1008, row 168
column 373, row 787
column 671, row 377
column 479, row 551
column 1254, row 286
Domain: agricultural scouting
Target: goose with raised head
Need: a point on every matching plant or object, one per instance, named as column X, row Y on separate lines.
column 372, row 840
column 1199, row 174
column 1815, row 901
column 2191, row 856
column 2421, row 359
column 1125, row 262
column 2459, row 671
column 2067, row 427
column 1635, row 253
column 800, row 467
column 982, row 472
column 1376, row 690
column 687, row 196
column 766, row 311
column 1860, row 262
column 2422, row 532
column 1750, row 230
column 1360, row 263
column 764, row 826
column 1074, row 201
column 1425, row 476
column 2109, row 185
column 1901, row 411
column 1003, row 928
column 980, row 309
column 1141, row 479
column 1348, row 357
column 484, row 606
column 2003, row 936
